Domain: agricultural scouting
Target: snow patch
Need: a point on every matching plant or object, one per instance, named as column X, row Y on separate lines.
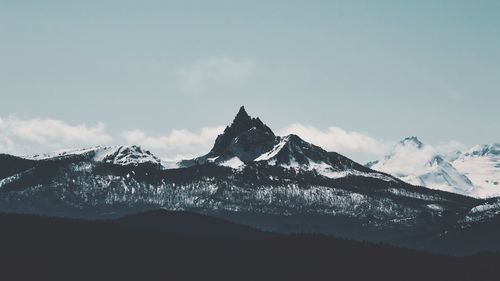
column 234, row 163
column 274, row 151
column 435, row 207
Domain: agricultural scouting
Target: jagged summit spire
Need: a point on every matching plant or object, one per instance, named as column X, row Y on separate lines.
column 244, row 140
column 242, row 115
column 242, row 123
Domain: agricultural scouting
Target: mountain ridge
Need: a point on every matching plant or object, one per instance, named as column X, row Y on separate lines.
column 285, row 185
column 471, row 173
column 249, row 140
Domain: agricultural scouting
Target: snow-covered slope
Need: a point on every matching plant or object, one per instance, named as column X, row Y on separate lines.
column 481, row 165
column 64, row 153
column 474, row 173
column 118, row 155
column 292, row 152
column 486, row 211
column 126, row 155
column 442, row 175
column 417, row 164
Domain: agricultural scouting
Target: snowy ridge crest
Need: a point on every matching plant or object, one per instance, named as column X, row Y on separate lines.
column 119, row 155
column 475, row 173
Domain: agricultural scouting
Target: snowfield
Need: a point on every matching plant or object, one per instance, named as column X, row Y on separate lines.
column 474, row 173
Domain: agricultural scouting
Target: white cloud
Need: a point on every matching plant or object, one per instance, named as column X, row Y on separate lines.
column 450, row 147
column 183, row 144
column 22, row 135
column 215, row 72
column 339, row 140
column 177, row 144
column 409, row 159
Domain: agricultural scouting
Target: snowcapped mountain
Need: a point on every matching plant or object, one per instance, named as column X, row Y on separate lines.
column 473, row 173
column 248, row 140
column 250, row 176
column 418, row 164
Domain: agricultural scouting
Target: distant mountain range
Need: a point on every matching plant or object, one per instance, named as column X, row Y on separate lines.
column 475, row 172
column 275, row 183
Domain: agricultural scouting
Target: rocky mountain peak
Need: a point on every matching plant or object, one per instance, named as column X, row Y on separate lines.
column 412, row 141
column 246, row 135
column 242, row 116
column 245, row 139
column 126, row 155
column 485, row 150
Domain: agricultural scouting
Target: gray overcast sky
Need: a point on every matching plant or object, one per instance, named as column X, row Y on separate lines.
column 386, row 69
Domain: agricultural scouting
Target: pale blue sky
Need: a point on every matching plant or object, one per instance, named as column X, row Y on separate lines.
column 387, row 69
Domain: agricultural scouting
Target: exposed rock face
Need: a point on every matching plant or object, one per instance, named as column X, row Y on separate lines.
column 246, row 138
column 245, row 135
